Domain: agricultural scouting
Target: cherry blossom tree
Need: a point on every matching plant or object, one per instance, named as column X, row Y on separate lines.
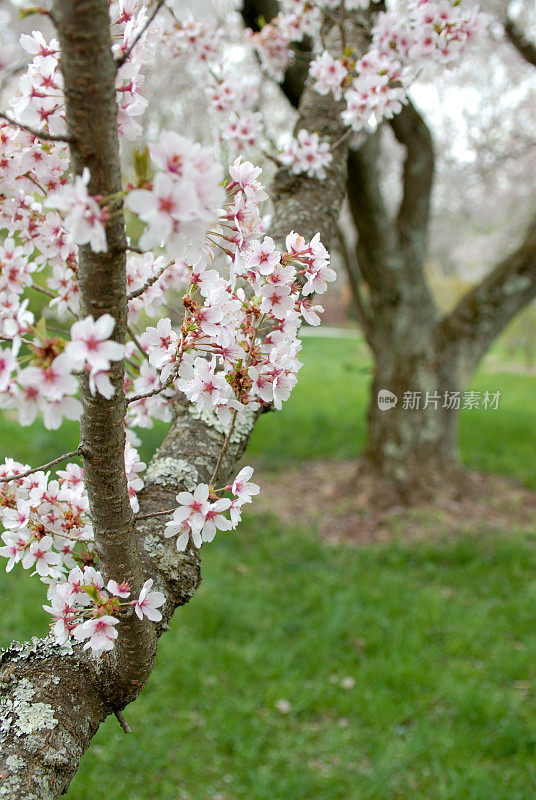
column 417, row 349
column 175, row 302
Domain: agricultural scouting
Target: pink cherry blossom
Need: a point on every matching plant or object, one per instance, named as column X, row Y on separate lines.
column 91, row 348
column 149, row 602
column 242, row 487
column 329, row 73
column 100, row 631
column 84, row 219
column 41, row 556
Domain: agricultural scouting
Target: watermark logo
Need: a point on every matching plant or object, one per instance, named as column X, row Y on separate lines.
column 451, row 401
column 386, row 400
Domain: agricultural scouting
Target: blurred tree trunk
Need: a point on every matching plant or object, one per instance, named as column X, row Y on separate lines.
column 425, row 359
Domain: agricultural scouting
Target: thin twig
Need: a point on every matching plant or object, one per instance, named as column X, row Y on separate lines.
column 120, row 61
column 341, row 139
column 224, row 448
column 43, row 290
column 160, row 389
column 54, row 297
column 122, row 721
column 154, row 514
column 353, row 279
column 136, row 342
column 47, row 137
column 342, row 18
column 153, row 279
column 20, row 338
column 172, row 13
column 277, row 161
column 57, row 460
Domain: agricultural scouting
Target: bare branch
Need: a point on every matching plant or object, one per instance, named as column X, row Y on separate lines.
column 19, row 338
column 484, row 311
column 412, row 132
column 120, row 61
column 152, row 280
column 42, row 290
column 352, row 271
column 164, row 513
column 122, row 721
column 166, row 385
column 57, row 460
column 136, row 342
column 47, row 137
column 377, row 246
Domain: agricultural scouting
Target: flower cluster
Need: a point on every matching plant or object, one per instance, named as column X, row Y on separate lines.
column 47, row 384
column 235, row 298
column 84, row 609
column 374, row 86
column 307, row 154
column 236, row 346
column 83, row 218
column 242, row 301
column 47, row 528
column 197, row 519
column 179, row 207
column 46, row 521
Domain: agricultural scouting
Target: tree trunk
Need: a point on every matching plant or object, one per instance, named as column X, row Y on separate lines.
column 424, row 359
column 411, row 441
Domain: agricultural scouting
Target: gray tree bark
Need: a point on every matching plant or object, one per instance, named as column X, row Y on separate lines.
column 53, row 699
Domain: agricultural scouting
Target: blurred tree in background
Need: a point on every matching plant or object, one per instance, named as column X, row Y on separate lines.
column 483, row 117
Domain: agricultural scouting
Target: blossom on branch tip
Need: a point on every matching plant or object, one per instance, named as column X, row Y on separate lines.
column 149, row 602
column 242, row 487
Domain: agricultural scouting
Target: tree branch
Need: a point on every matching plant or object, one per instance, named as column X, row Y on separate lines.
column 377, row 246
column 150, row 281
column 354, row 277
column 413, row 133
column 486, row 310
column 44, row 135
column 89, row 73
column 54, row 461
column 524, row 46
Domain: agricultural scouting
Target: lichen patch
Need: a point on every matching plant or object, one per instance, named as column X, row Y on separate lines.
column 168, row 470
column 23, row 715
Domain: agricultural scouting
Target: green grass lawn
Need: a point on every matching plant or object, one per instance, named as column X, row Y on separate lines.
column 325, row 418
column 326, row 415
column 440, row 641
column 409, row 669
